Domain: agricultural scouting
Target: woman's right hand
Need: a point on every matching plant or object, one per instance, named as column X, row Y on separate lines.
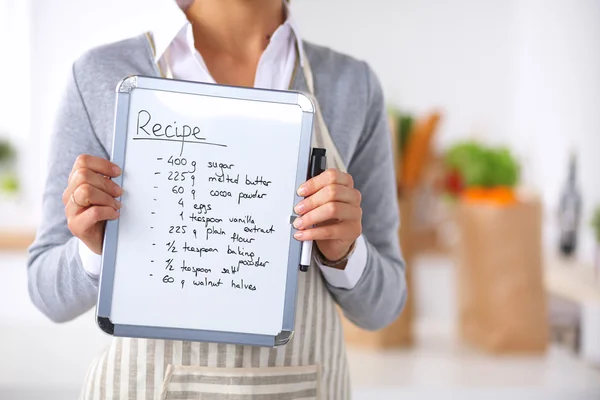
column 90, row 199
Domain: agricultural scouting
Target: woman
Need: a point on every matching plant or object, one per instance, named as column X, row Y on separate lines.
column 358, row 263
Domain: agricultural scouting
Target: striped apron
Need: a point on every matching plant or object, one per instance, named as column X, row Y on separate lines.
column 311, row 366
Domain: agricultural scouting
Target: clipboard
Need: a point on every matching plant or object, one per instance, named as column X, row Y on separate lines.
column 130, row 261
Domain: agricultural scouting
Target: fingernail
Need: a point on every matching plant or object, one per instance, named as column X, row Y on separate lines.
column 118, row 203
column 118, row 190
column 117, row 170
column 301, row 190
column 297, row 223
column 299, row 208
column 298, row 235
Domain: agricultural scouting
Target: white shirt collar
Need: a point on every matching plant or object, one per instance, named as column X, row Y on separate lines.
column 173, row 21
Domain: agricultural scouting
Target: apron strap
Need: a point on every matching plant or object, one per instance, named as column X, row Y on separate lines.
column 166, row 72
column 321, row 136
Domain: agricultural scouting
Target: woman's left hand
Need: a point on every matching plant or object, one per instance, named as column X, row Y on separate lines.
column 333, row 204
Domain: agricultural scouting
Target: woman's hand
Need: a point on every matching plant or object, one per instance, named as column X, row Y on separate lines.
column 90, row 199
column 333, row 203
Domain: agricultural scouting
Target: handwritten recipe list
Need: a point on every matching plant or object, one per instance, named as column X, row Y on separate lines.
column 205, row 220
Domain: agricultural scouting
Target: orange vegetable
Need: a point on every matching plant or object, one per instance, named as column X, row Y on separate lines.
column 417, row 149
column 500, row 195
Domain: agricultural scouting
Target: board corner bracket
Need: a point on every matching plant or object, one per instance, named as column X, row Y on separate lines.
column 283, row 338
column 106, row 325
column 305, row 102
column 126, row 85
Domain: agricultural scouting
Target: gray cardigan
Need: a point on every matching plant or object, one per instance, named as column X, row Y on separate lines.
column 353, row 107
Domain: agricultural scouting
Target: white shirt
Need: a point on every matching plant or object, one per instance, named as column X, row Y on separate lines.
column 176, row 52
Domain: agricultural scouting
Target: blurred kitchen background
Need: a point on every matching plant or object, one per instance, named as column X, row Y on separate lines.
column 495, row 114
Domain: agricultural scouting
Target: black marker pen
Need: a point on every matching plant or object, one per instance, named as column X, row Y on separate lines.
column 318, row 164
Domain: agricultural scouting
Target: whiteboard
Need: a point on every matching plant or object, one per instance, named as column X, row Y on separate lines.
column 204, row 249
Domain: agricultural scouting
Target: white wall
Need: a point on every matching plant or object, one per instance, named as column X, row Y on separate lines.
column 15, row 88
column 427, row 53
column 522, row 72
column 556, row 99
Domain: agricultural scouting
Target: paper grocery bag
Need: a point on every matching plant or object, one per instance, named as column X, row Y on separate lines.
column 502, row 301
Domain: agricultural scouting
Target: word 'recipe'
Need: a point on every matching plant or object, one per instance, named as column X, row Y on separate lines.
column 147, row 129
